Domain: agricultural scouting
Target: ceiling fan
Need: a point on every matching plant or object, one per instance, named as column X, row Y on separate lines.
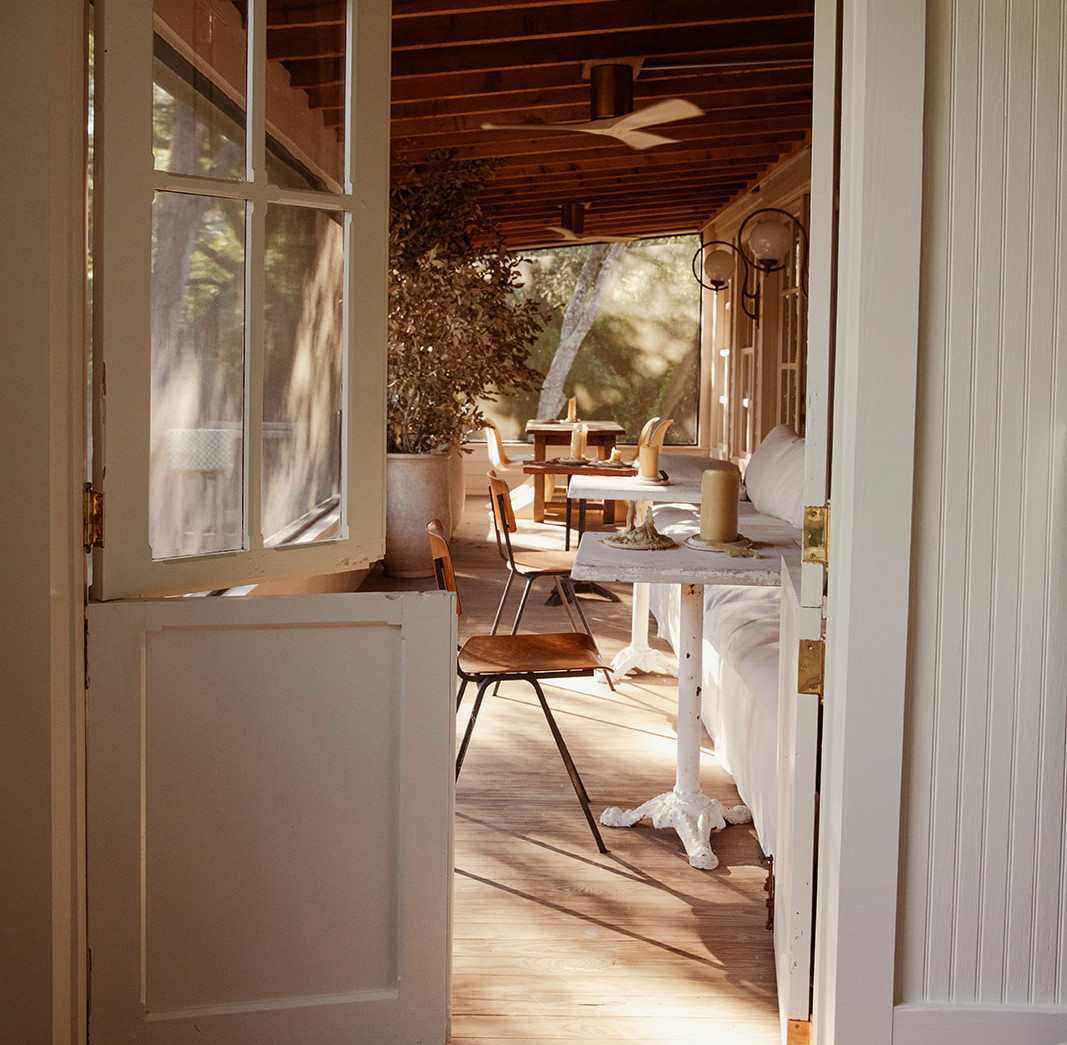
column 571, row 226
column 611, row 92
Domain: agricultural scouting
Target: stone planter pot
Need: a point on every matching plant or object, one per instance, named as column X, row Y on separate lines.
column 458, row 490
column 417, row 489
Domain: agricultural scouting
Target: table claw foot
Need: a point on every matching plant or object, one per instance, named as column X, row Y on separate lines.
column 615, row 817
column 641, row 658
column 702, row 858
column 692, row 815
column 695, row 833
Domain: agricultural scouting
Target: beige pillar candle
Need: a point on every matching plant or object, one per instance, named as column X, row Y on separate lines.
column 572, row 409
column 648, row 462
column 719, row 490
column 616, row 453
column 578, row 437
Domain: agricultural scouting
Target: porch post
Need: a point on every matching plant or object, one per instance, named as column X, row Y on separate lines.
column 871, row 495
column 42, row 276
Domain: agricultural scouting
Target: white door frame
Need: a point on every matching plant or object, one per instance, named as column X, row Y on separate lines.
column 871, row 532
column 42, row 969
column 871, row 497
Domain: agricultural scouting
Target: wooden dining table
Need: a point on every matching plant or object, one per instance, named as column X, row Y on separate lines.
column 573, row 468
column 600, row 436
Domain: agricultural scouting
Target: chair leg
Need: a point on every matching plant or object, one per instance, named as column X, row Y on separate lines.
column 460, row 692
column 500, row 605
column 572, row 771
column 568, row 594
column 522, row 604
column 482, row 687
column 569, row 603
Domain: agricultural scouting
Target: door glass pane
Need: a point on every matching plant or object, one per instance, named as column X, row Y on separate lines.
column 302, row 390
column 198, row 108
column 198, row 373
column 306, row 85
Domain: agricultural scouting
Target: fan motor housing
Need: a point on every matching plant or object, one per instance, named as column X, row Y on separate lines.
column 572, row 217
column 611, row 91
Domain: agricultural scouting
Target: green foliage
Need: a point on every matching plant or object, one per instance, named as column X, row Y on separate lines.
column 641, row 356
column 459, row 331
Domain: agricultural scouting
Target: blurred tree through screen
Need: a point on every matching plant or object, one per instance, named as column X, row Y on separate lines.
column 623, row 337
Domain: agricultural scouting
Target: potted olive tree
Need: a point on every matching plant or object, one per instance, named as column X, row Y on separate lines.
column 459, row 334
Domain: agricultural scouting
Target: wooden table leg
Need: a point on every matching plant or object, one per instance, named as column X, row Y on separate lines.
column 539, row 480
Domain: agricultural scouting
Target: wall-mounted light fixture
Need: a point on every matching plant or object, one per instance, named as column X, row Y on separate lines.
column 764, row 243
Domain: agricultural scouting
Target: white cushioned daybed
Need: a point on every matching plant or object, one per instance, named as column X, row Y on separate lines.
column 739, row 699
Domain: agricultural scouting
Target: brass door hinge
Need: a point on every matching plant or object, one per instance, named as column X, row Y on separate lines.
column 92, row 518
column 798, row 1032
column 816, row 534
column 811, row 659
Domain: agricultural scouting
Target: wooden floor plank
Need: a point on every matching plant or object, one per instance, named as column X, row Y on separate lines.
column 555, row 942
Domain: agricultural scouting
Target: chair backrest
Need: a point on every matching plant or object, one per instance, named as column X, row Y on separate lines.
column 494, row 443
column 503, row 516
column 500, row 500
column 442, row 560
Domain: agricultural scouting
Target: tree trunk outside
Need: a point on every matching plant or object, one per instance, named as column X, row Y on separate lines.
column 582, row 310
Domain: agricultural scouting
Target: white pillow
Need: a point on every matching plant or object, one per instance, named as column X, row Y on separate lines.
column 774, row 478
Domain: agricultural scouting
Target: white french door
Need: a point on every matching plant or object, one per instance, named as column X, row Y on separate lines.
column 269, row 784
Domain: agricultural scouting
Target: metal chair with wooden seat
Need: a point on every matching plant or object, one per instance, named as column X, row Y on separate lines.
column 502, row 463
column 487, row 660
column 530, row 565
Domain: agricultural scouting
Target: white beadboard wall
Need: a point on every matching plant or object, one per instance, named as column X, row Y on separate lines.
column 983, row 914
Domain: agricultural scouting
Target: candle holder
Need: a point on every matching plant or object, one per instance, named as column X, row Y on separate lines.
column 741, row 547
column 640, row 536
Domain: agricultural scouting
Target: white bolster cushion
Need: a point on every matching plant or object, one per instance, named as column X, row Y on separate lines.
column 688, row 468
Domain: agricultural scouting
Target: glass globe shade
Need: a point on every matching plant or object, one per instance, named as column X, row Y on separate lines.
column 769, row 242
column 719, row 268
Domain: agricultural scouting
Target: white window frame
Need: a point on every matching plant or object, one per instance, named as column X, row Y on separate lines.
column 124, row 188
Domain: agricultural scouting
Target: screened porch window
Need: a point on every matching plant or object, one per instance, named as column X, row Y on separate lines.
column 640, row 355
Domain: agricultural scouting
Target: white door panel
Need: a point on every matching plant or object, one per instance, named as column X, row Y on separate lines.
column 794, row 853
column 270, row 819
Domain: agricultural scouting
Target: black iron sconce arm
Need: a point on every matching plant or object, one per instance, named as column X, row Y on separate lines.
column 769, row 245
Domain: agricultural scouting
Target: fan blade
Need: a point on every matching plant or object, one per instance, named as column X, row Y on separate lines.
column 666, row 111
column 569, row 234
column 622, row 128
column 537, row 127
column 641, row 139
column 750, row 63
column 635, row 139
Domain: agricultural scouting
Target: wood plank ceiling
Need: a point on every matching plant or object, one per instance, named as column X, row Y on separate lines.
column 457, row 64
